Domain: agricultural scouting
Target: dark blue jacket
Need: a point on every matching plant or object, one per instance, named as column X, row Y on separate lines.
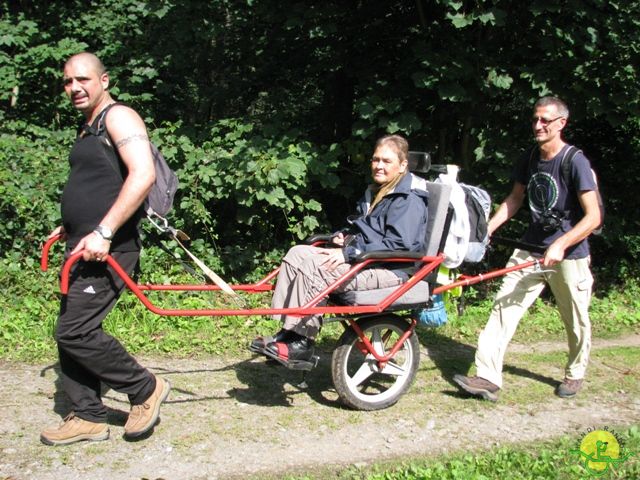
column 398, row 222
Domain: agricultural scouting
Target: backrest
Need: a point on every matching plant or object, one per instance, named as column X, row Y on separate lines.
column 438, row 206
column 438, row 209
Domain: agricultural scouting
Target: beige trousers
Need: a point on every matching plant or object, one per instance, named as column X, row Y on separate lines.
column 571, row 283
column 302, row 277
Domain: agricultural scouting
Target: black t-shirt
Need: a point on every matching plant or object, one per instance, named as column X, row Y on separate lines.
column 92, row 188
column 546, row 190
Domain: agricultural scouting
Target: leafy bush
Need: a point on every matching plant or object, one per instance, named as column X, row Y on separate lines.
column 268, row 121
column 33, row 168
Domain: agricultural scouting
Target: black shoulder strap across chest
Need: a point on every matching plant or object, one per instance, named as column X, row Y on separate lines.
column 99, row 126
column 565, row 166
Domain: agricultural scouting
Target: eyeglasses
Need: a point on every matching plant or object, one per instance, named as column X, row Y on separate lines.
column 544, row 121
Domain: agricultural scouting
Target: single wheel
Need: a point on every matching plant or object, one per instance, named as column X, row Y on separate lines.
column 358, row 377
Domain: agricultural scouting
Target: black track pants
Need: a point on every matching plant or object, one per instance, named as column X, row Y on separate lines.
column 88, row 355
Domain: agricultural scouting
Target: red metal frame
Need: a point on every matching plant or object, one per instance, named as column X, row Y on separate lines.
column 431, row 263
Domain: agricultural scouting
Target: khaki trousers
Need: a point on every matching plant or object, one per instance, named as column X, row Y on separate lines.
column 571, row 283
column 302, row 277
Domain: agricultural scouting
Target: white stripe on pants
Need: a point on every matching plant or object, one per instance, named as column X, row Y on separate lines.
column 571, row 283
column 302, row 277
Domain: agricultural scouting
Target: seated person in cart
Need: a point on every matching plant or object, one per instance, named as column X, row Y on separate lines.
column 392, row 215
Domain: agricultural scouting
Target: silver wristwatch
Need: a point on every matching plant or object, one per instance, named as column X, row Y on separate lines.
column 104, row 232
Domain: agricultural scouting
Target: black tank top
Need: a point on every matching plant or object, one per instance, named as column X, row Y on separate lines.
column 92, row 188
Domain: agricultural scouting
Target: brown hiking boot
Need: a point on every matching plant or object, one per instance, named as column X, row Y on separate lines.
column 74, row 429
column 478, row 387
column 143, row 417
column 568, row 388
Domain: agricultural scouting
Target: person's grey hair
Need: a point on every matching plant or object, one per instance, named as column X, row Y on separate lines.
column 562, row 108
column 400, row 145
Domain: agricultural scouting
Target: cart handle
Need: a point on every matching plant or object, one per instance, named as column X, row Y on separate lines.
column 66, row 271
column 44, row 258
column 509, row 242
column 465, row 281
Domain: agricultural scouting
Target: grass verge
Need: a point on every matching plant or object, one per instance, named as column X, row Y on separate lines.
column 553, row 460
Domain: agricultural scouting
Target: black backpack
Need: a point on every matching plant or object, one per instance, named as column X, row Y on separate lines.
column 160, row 198
column 565, row 169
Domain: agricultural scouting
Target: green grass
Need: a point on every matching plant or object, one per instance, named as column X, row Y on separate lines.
column 30, row 304
column 552, row 460
column 612, row 315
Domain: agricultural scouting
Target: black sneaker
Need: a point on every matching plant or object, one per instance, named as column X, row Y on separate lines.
column 478, row 387
column 258, row 344
column 295, row 347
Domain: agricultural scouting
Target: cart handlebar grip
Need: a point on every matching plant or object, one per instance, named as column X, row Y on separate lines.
column 66, row 271
column 44, row 259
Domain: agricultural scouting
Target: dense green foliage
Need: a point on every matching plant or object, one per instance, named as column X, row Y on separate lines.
column 268, row 110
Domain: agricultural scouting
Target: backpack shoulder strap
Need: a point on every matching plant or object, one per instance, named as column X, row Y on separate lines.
column 101, row 120
column 532, row 155
column 531, row 163
column 565, row 165
column 99, row 126
column 99, row 129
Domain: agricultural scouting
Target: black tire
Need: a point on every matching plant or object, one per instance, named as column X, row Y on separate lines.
column 357, row 378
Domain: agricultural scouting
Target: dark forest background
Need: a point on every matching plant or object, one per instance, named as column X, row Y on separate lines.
column 269, row 109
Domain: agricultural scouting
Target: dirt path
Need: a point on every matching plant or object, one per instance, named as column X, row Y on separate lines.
column 238, row 418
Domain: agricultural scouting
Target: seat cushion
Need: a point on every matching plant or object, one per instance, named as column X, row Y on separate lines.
column 418, row 294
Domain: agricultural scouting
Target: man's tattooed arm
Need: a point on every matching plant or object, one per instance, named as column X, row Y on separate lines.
column 132, row 138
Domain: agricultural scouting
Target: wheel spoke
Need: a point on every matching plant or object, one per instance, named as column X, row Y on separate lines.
column 377, row 341
column 392, row 368
column 363, row 373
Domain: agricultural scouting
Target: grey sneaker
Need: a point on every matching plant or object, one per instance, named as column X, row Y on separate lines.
column 568, row 388
column 478, row 387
